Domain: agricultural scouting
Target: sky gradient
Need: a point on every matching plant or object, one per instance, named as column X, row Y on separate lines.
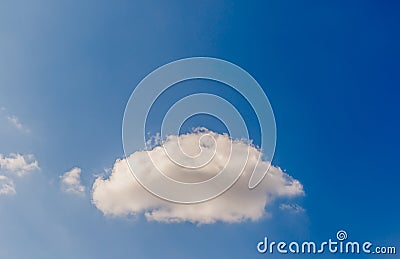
column 330, row 70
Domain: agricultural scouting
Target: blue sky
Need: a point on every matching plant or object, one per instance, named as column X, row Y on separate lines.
column 330, row 71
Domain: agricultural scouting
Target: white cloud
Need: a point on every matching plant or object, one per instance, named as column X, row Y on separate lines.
column 18, row 164
column 292, row 208
column 13, row 120
column 7, row 186
column 121, row 194
column 71, row 181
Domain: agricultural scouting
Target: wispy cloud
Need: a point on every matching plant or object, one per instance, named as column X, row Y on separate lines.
column 71, row 181
column 14, row 121
column 122, row 195
column 7, row 186
column 292, row 208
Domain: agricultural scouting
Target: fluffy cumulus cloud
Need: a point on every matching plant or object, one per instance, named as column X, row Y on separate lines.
column 18, row 164
column 71, row 181
column 7, row 186
column 15, row 165
column 121, row 195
